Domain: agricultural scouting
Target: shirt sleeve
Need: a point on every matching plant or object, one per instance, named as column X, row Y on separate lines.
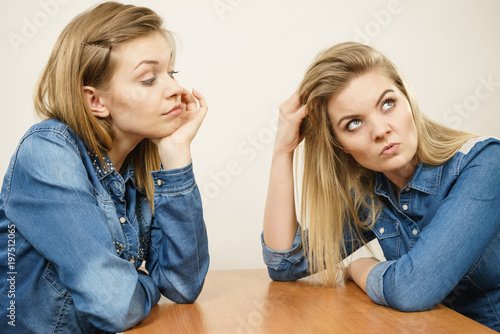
column 462, row 228
column 51, row 202
column 292, row 264
column 288, row 265
column 178, row 258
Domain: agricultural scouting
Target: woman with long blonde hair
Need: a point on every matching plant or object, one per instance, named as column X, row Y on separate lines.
column 104, row 183
column 374, row 166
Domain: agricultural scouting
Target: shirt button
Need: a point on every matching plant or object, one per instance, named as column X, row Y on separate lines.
column 381, row 230
column 405, row 207
column 415, row 232
column 159, row 182
column 123, row 220
column 407, row 189
column 132, row 260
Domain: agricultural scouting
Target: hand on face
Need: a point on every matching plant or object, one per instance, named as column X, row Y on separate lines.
column 174, row 149
column 191, row 119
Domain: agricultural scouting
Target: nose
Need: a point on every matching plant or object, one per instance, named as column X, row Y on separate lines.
column 172, row 89
column 381, row 128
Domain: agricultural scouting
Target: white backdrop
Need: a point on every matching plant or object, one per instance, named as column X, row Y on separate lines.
column 247, row 56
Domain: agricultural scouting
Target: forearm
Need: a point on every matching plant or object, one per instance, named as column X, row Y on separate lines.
column 178, row 259
column 280, row 220
column 359, row 270
column 174, row 155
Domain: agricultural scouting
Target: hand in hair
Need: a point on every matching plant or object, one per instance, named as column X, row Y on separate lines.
column 175, row 149
column 290, row 118
column 280, row 218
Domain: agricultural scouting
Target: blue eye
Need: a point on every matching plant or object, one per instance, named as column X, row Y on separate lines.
column 149, row 82
column 353, row 125
column 171, row 74
column 388, row 104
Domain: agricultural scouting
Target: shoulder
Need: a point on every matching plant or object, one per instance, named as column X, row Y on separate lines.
column 49, row 153
column 50, row 128
column 478, row 151
column 50, row 136
column 478, row 158
column 49, row 143
column 478, row 143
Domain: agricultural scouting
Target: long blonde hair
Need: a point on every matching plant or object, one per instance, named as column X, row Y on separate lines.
column 82, row 57
column 336, row 190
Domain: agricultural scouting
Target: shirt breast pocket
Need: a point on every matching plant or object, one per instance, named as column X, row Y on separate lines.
column 387, row 232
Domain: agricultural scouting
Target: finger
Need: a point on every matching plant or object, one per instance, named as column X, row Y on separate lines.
column 285, row 103
column 188, row 100
column 294, row 103
column 291, row 104
column 187, row 97
column 302, row 111
column 201, row 100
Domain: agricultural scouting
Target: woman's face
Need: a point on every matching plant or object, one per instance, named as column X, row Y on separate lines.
column 144, row 99
column 373, row 122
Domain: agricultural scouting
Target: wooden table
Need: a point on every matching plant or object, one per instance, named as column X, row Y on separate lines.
column 248, row 302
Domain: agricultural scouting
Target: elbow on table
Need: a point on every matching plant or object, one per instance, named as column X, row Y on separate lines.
column 413, row 303
column 186, row 294
column 119, row 319
column 189, row 297
column 281, row 275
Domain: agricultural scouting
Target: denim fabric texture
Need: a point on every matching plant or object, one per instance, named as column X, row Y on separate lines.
column 440, row 236
column 82, row 230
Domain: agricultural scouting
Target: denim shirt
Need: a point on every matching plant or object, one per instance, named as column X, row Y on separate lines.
column 440, row 236
column 75, row 233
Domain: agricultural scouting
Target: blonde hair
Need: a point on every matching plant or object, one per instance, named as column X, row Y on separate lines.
column 336, row 190
column 82, row 57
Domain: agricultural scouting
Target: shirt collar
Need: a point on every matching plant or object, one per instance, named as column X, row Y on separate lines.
column 129, row 174
column 100, row 170
column 426, row 178
column 108, row 168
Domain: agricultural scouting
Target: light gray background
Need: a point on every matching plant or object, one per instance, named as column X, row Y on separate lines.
column 247, row 56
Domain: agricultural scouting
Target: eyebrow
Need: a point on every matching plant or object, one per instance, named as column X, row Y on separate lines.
column 382, row 96
column 347, row 117
column 152, row 62
column 357, row 115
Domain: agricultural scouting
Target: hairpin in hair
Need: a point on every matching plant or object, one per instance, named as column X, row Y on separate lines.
column 96, row 45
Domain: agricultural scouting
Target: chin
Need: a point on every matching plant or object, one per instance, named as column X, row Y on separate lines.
column 169, row 128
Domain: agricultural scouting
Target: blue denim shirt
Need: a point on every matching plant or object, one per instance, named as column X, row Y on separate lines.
column 74, row 234
column 440, row 236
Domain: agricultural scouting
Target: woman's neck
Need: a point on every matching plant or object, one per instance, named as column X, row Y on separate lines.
column 402, row 176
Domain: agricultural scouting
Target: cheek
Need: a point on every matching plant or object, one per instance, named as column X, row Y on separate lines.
column 410, row 126
column 138, row 95
column 118, row 100
column 129, row 97
column 354, row 145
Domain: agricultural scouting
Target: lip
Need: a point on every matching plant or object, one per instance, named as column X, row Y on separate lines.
column 390, row 149
column 176, row 110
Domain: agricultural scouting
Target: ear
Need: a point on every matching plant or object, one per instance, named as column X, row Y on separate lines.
column 93, row 99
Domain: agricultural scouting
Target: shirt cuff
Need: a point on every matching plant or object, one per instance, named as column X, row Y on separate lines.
column 277, row 259
column 174, row 181
column 375, row 282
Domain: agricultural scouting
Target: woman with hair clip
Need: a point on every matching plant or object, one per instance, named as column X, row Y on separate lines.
column 374, row 166
column 104, row 184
